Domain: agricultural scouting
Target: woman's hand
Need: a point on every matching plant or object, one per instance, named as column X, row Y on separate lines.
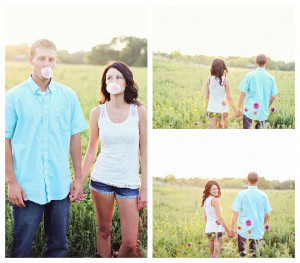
column 142, row 199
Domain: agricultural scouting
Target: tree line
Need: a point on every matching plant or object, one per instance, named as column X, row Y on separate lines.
column 131, row 50
column 227, row 182
column 231, row 61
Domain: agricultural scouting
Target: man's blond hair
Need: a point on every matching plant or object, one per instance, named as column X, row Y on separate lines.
column 261, row 59
column 41, row 43
column 253, row 177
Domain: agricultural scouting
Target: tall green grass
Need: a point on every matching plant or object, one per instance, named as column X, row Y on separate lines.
column 179, row 96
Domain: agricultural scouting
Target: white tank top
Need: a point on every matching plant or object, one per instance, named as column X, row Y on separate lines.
column 216, row 95
column 211, row 225
column 118, row 162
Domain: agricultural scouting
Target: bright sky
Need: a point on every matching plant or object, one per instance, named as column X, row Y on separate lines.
column 223, row 153
column 74, row 28
column 225, row 30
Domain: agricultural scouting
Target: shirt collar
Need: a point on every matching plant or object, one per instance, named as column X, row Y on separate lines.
column 262, row 69
column 252, row 187
column 35, row 87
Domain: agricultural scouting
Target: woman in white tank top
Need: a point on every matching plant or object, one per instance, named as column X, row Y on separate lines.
column 215, row 224
column 120, row 123
column 217, row 86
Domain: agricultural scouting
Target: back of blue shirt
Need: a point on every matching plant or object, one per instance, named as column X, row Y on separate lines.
column 259, row 86
column 251, row 204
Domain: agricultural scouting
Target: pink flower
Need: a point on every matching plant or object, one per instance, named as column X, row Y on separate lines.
column 267, row 227
column 245, row 109
column 248, row 222
column 256, row 105
column 273, row 109
column 224, row 102
column 293, row 233
column 218, row 222
column 239, row 227
column 189, row 244
column 196, row 123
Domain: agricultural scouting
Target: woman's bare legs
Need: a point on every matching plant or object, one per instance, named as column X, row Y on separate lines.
column 129, row 217
column 212, row 249
column 104, row 206
column 213, row 124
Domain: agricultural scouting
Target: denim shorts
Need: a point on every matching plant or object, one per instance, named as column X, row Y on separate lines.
column 212, row 235
column 124, row 193
column 217, row 116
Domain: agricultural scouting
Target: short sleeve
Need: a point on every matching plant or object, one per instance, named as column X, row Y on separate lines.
column 274, row 90
column 244, row 85
column 267, row 208
column 78, row 123
column 237, row 203
column 11, row 117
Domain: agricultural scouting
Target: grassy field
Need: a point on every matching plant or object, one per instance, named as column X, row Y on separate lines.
column 85, row 81
column 178, row 219
column 179, row 96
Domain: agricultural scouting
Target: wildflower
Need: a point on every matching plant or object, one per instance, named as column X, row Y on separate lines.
column 196, row 123
column 224, row 102
column 249, row 231
column 256, row 105
column 239, row 227
column 267, row 227
column 255, row 113
column 248, row 222
column 293, row 233
column 189, row 244
column 245, row 109
column 273, row 109
column 218, row 222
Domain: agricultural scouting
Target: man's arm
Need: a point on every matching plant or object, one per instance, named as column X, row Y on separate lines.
column 266, row 218
column 15, row 192
column 241, row 100
column 272, row 98
column 234, row 218
column 76, row 155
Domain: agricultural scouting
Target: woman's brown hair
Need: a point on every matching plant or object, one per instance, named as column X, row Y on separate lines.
column 206, row 192
column 218, row 69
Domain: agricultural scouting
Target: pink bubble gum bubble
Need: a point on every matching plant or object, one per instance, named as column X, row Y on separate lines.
column 113, row 88
column 47, row 72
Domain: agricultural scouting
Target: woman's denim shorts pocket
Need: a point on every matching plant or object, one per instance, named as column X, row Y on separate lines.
column 124, row 193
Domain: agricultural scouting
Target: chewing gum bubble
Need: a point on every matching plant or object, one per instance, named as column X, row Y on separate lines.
column 47, row 72
column 113, row 88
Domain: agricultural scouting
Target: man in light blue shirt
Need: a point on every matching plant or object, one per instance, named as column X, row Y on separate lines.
column 43, row 121
column 251, row 208
column 259, row 88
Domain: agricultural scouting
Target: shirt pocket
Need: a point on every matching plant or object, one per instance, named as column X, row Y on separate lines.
column 60, row 120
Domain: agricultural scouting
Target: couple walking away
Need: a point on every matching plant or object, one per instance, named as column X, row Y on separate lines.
column 251, row 209
column 43, row 121
column 257, row 89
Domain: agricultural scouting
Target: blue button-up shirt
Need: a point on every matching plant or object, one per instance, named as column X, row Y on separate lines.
column 252, row 204
column 259, row 86
column 40, row 129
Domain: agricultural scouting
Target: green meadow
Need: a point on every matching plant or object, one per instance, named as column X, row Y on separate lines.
column 179, row 224
column 179, row 96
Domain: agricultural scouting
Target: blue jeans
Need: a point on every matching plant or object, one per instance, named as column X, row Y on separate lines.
column 56, row 222
column 247, row 122
column 252, row 246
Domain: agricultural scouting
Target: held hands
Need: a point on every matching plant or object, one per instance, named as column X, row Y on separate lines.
column 142, row 199
column 238, row 113
column 16, row 194
column 77, row 191
column 231, row 233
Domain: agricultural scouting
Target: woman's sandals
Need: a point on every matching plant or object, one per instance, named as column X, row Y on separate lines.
column 112, row 253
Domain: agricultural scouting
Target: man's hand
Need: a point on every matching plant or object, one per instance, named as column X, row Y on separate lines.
column 16, row 194
column 76, row 191
column 142, row 199
column 231, row 233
